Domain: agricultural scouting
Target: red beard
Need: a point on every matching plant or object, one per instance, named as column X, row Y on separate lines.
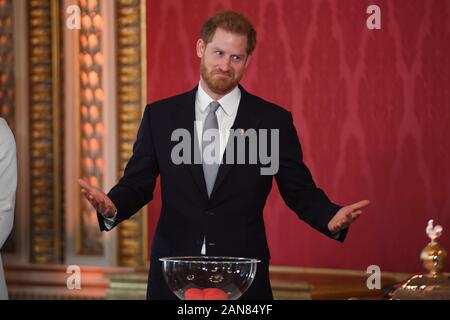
column 219, row 82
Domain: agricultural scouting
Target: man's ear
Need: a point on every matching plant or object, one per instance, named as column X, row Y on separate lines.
column 248, row 61
column 200, row 48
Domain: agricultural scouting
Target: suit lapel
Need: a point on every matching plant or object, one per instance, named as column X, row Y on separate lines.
column 185, row 118
column 246, row 118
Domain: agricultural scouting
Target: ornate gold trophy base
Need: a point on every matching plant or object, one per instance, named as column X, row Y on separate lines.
column 434, row 285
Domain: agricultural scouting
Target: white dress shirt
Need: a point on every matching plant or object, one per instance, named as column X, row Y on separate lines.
column 8, row 184
column 226, row 115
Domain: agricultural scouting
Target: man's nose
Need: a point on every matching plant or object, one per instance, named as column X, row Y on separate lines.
column 225, row 64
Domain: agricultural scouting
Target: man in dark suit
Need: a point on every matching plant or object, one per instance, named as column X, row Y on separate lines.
column 213, row 207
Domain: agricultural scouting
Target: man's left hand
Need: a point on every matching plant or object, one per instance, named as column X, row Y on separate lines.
column 346, row 216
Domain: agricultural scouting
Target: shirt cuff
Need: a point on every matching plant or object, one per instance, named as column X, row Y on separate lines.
column 336, row 235
column 109, row 222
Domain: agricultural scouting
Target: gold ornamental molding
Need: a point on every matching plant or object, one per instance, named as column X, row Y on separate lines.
column 131, row 100
column 91, row 122
column 45, row 131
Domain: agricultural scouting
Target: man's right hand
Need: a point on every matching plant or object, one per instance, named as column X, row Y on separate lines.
column 98, row 199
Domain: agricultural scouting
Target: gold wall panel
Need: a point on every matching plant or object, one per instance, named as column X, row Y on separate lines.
column 45, row 131
column 131, row 99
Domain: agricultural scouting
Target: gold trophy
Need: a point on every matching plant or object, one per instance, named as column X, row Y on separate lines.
column 434, row 285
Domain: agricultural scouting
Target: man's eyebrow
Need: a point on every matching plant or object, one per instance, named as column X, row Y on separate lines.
column 233, row 54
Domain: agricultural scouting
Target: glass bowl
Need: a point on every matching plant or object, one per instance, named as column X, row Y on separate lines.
column 208, row 278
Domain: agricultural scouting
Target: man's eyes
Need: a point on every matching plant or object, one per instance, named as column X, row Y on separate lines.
column 233, row 57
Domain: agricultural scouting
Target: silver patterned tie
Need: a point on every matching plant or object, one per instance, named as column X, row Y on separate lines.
column 212, row 162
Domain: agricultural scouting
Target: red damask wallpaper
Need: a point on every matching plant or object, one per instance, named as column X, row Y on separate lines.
column 371, row 107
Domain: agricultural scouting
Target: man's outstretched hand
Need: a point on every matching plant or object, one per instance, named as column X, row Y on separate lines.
column 346, row 216
column 98, row 199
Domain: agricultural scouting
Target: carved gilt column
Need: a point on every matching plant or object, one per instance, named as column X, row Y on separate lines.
column 45, row 131
column 91, row 122
column 131, row 87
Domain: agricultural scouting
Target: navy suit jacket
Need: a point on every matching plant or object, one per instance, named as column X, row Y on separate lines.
column 232, row 217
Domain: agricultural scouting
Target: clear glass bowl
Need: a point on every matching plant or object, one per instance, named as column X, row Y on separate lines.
column 209, row 278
